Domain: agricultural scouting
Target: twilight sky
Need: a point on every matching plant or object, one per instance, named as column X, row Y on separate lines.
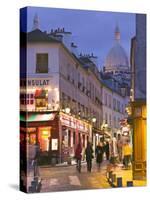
column 92, row 31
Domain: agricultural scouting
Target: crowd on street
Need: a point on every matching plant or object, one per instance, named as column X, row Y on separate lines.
column 116, row 150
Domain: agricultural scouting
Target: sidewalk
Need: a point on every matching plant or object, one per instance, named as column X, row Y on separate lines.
column 119, row 177
column 64, row 164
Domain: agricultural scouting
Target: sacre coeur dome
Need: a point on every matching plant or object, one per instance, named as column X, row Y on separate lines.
column 117, row 56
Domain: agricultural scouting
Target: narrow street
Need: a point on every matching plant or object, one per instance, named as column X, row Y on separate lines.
column 67, row 178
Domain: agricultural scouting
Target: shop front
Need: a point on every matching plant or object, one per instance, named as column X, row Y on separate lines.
column 73, row 130
column 39, row 130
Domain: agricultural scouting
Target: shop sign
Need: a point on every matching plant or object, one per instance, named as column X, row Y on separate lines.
column 35, row 82
column 71, row 122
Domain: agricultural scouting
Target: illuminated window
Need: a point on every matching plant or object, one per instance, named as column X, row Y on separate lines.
column 41, row 100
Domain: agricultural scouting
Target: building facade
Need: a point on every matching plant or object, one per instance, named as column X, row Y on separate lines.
column 63, row 99
column 138, row 98
column 114, row 104
column 61, row 95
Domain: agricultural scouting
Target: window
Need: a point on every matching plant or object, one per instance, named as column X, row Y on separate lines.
column 69, row 138
column 110, row 120
column 114, row 122
column 26, row 99
column 122, row 108
column 114, row 104
column 109, row 101
column 41, row 98
column 106, row 120
column 118, row 106
column 105, row 100
column 74, row 138
column 41, row 63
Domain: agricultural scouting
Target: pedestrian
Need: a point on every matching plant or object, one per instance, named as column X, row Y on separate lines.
column 127, row 152
column 113, row 150
column 89, row 156
column 36, row 160
column 106, row 149
column 119, row 147
column 78, row 156
column 99, row 154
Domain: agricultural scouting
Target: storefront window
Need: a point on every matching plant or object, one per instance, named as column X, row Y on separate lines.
column 44, row 138
column 69, row 138
column 74, row 138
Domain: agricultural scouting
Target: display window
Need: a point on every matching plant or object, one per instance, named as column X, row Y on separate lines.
column 44, row 134
column 41, row 98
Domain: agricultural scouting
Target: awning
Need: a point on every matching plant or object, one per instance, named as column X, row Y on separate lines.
column 34, row 117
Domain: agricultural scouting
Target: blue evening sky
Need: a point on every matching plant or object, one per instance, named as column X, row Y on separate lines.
column 92, row 31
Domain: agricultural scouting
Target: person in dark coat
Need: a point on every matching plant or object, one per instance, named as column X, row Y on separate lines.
column 99, row 154
column 78, row 156
column 106, row 147
column 89, row 156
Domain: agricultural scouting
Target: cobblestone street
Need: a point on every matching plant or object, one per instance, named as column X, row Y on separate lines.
column 67, row 178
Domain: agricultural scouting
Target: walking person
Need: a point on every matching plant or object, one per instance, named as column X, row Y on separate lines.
column 78, row 156
column 106, row 149
column 119, row 147
column 89, row 156
column 99, row 154
column 114, row 150
column 127, row 152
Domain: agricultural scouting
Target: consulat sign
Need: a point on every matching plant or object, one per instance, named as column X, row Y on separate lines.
column 34, row 82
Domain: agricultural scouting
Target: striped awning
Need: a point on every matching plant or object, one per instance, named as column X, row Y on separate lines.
column 34, row 117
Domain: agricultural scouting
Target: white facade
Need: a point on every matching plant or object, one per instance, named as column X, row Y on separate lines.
column 113, row 109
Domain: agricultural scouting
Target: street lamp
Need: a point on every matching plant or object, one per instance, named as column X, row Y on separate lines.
column 67, row 110
column 94, row 119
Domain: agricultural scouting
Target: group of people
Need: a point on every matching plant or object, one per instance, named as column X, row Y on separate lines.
column 88, row 154
column 116, row 150
column 120, row 151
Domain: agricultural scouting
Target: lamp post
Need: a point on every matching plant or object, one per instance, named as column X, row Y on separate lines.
column 93, row 138
column 67, row 110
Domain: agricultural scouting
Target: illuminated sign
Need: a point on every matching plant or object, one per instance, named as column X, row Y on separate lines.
column 35, row 82
column 74, row 123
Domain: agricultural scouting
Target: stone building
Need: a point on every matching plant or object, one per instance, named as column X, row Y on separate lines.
column 137, row 108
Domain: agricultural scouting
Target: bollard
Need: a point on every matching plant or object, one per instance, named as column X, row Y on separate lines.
column 113, row 179
column 34, row 185
column 110, row 175
column 129, row 183
column 31, row 190
column 119, row 182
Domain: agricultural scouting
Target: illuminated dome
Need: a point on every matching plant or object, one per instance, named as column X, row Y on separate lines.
column 117, row 56
column 116, row 59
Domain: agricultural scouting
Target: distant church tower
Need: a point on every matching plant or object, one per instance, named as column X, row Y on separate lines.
column 117, row 34
column 35, row 22
column 116, row 60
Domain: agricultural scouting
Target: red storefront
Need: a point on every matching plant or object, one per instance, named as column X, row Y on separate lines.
column 40, row 129
column 72, row 130
column 52, row 132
